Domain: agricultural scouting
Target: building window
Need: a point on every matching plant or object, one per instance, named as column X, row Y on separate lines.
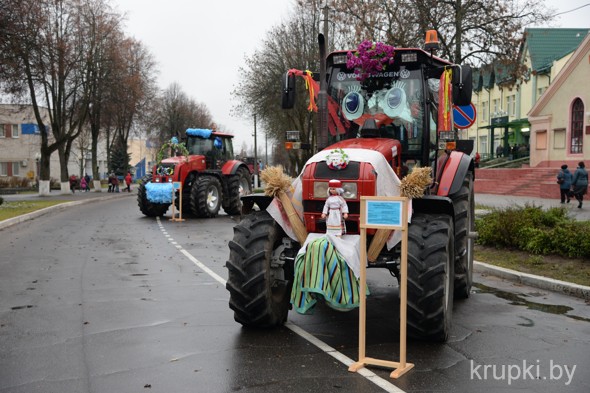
column 3, row 169
column 483, row 144
column 16, row 169
column 15, row 131
column 577, row 125
column 484, row 111
column 2, row 132
column 511, row 105
column 541, row 140
column 496, row 105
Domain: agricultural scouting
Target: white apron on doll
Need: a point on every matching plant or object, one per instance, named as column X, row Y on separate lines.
column 335, row 209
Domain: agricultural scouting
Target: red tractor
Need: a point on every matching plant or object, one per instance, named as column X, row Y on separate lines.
column 209, row 175
column 397, row 114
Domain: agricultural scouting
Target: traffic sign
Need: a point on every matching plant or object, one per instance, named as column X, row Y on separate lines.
column 464, row 116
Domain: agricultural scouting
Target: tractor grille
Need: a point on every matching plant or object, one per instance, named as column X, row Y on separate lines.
column 322, row 171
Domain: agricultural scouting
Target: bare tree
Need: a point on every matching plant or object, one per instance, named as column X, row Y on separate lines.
column 102, row 37
column 289, row 45
column 41, row 54
column 174, row 112
column 472, row 31
column 132, row 90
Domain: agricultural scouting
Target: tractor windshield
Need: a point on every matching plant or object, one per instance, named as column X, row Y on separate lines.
column 395, row 100
column 199, row 146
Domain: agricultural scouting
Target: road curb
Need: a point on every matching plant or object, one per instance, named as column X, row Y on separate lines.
column 532, row 280
column 62, row 206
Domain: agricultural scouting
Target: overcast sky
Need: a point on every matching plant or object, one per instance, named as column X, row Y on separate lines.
column 201, row 45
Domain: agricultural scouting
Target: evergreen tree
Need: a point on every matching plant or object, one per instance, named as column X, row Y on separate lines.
column 119, row 163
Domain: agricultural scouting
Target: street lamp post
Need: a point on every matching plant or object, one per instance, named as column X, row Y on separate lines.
column 37, row 168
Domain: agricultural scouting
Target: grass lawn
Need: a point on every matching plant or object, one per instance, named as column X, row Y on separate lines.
column 14, row 209
column 571, row 270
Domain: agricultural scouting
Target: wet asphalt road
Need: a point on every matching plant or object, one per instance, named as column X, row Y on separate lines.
column 98, row 298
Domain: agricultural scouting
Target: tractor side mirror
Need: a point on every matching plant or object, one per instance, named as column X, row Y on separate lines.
column 288, row 91
column 462, row 85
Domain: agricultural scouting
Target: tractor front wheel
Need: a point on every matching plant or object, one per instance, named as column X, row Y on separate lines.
column 146, row 207
column 430, row 276
column 259, row 280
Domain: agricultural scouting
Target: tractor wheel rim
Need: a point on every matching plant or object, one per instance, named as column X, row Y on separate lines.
column 212, row 198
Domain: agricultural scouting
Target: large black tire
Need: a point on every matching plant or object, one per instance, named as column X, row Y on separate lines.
column 238, row 185
column 258, row 283
column 430, row 276
column 146, row 207
column 464, row 204
column 206, row 197
column 245, row 178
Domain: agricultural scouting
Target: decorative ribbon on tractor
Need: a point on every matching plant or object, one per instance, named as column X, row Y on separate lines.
column 445, row 110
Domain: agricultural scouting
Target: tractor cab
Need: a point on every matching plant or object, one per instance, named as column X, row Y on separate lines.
column 216, row 147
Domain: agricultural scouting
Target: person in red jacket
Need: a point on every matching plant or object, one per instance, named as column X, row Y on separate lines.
column 128, row 180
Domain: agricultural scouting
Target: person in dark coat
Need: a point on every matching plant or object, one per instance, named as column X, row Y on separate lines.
column 73, row 183
column 580, row 183
column 564, row 179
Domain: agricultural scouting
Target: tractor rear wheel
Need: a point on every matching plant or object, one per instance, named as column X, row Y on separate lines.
column 430, row 276
column 146, row 207
column 238, row 185
column 464, row 204
column 259, row 282
column 206, row 196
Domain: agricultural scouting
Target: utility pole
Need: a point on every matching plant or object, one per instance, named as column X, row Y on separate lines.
column 256, row 184
column 326, row 11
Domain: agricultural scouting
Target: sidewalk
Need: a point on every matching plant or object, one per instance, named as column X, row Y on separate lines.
column 504, row 201
column 56, row 195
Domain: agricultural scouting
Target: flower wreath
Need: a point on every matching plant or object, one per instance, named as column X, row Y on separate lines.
column 337, row 159
column 370, row 58
column 172, row 144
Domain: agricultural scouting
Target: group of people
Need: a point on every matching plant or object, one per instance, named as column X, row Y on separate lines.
column 83, row 186
column 113, row 182
column 573, row 185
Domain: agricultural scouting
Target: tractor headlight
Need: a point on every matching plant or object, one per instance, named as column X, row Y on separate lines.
column 320, row 190
column 350, row 191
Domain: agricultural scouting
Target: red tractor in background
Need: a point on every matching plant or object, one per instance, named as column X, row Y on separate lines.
column 210, row 176
column 395, row 113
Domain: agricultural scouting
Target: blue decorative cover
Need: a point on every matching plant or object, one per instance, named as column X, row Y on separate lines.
column 159, row 192
column 199, row 132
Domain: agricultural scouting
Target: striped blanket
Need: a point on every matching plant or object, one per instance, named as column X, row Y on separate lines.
column 322, row 272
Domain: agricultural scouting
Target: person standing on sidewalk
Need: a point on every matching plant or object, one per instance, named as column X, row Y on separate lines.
column 73, row 183
column 564, row 179
column 83, row 184
column 580, row 183
column 128, row 180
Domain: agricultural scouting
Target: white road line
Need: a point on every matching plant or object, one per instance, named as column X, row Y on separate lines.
column 342, row 358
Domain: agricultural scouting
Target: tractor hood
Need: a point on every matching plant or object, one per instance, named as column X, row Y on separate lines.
column 389, row 148
column 182, row 159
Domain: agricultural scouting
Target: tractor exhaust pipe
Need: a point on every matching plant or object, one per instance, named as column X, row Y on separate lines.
column 322, row 140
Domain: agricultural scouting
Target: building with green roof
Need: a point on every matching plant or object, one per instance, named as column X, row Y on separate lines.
column 503, row 97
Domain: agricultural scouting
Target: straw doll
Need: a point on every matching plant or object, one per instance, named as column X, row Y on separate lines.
column 335, row 209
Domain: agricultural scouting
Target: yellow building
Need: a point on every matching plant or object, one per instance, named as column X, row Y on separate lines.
column 560, row 119
column 503, row 101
